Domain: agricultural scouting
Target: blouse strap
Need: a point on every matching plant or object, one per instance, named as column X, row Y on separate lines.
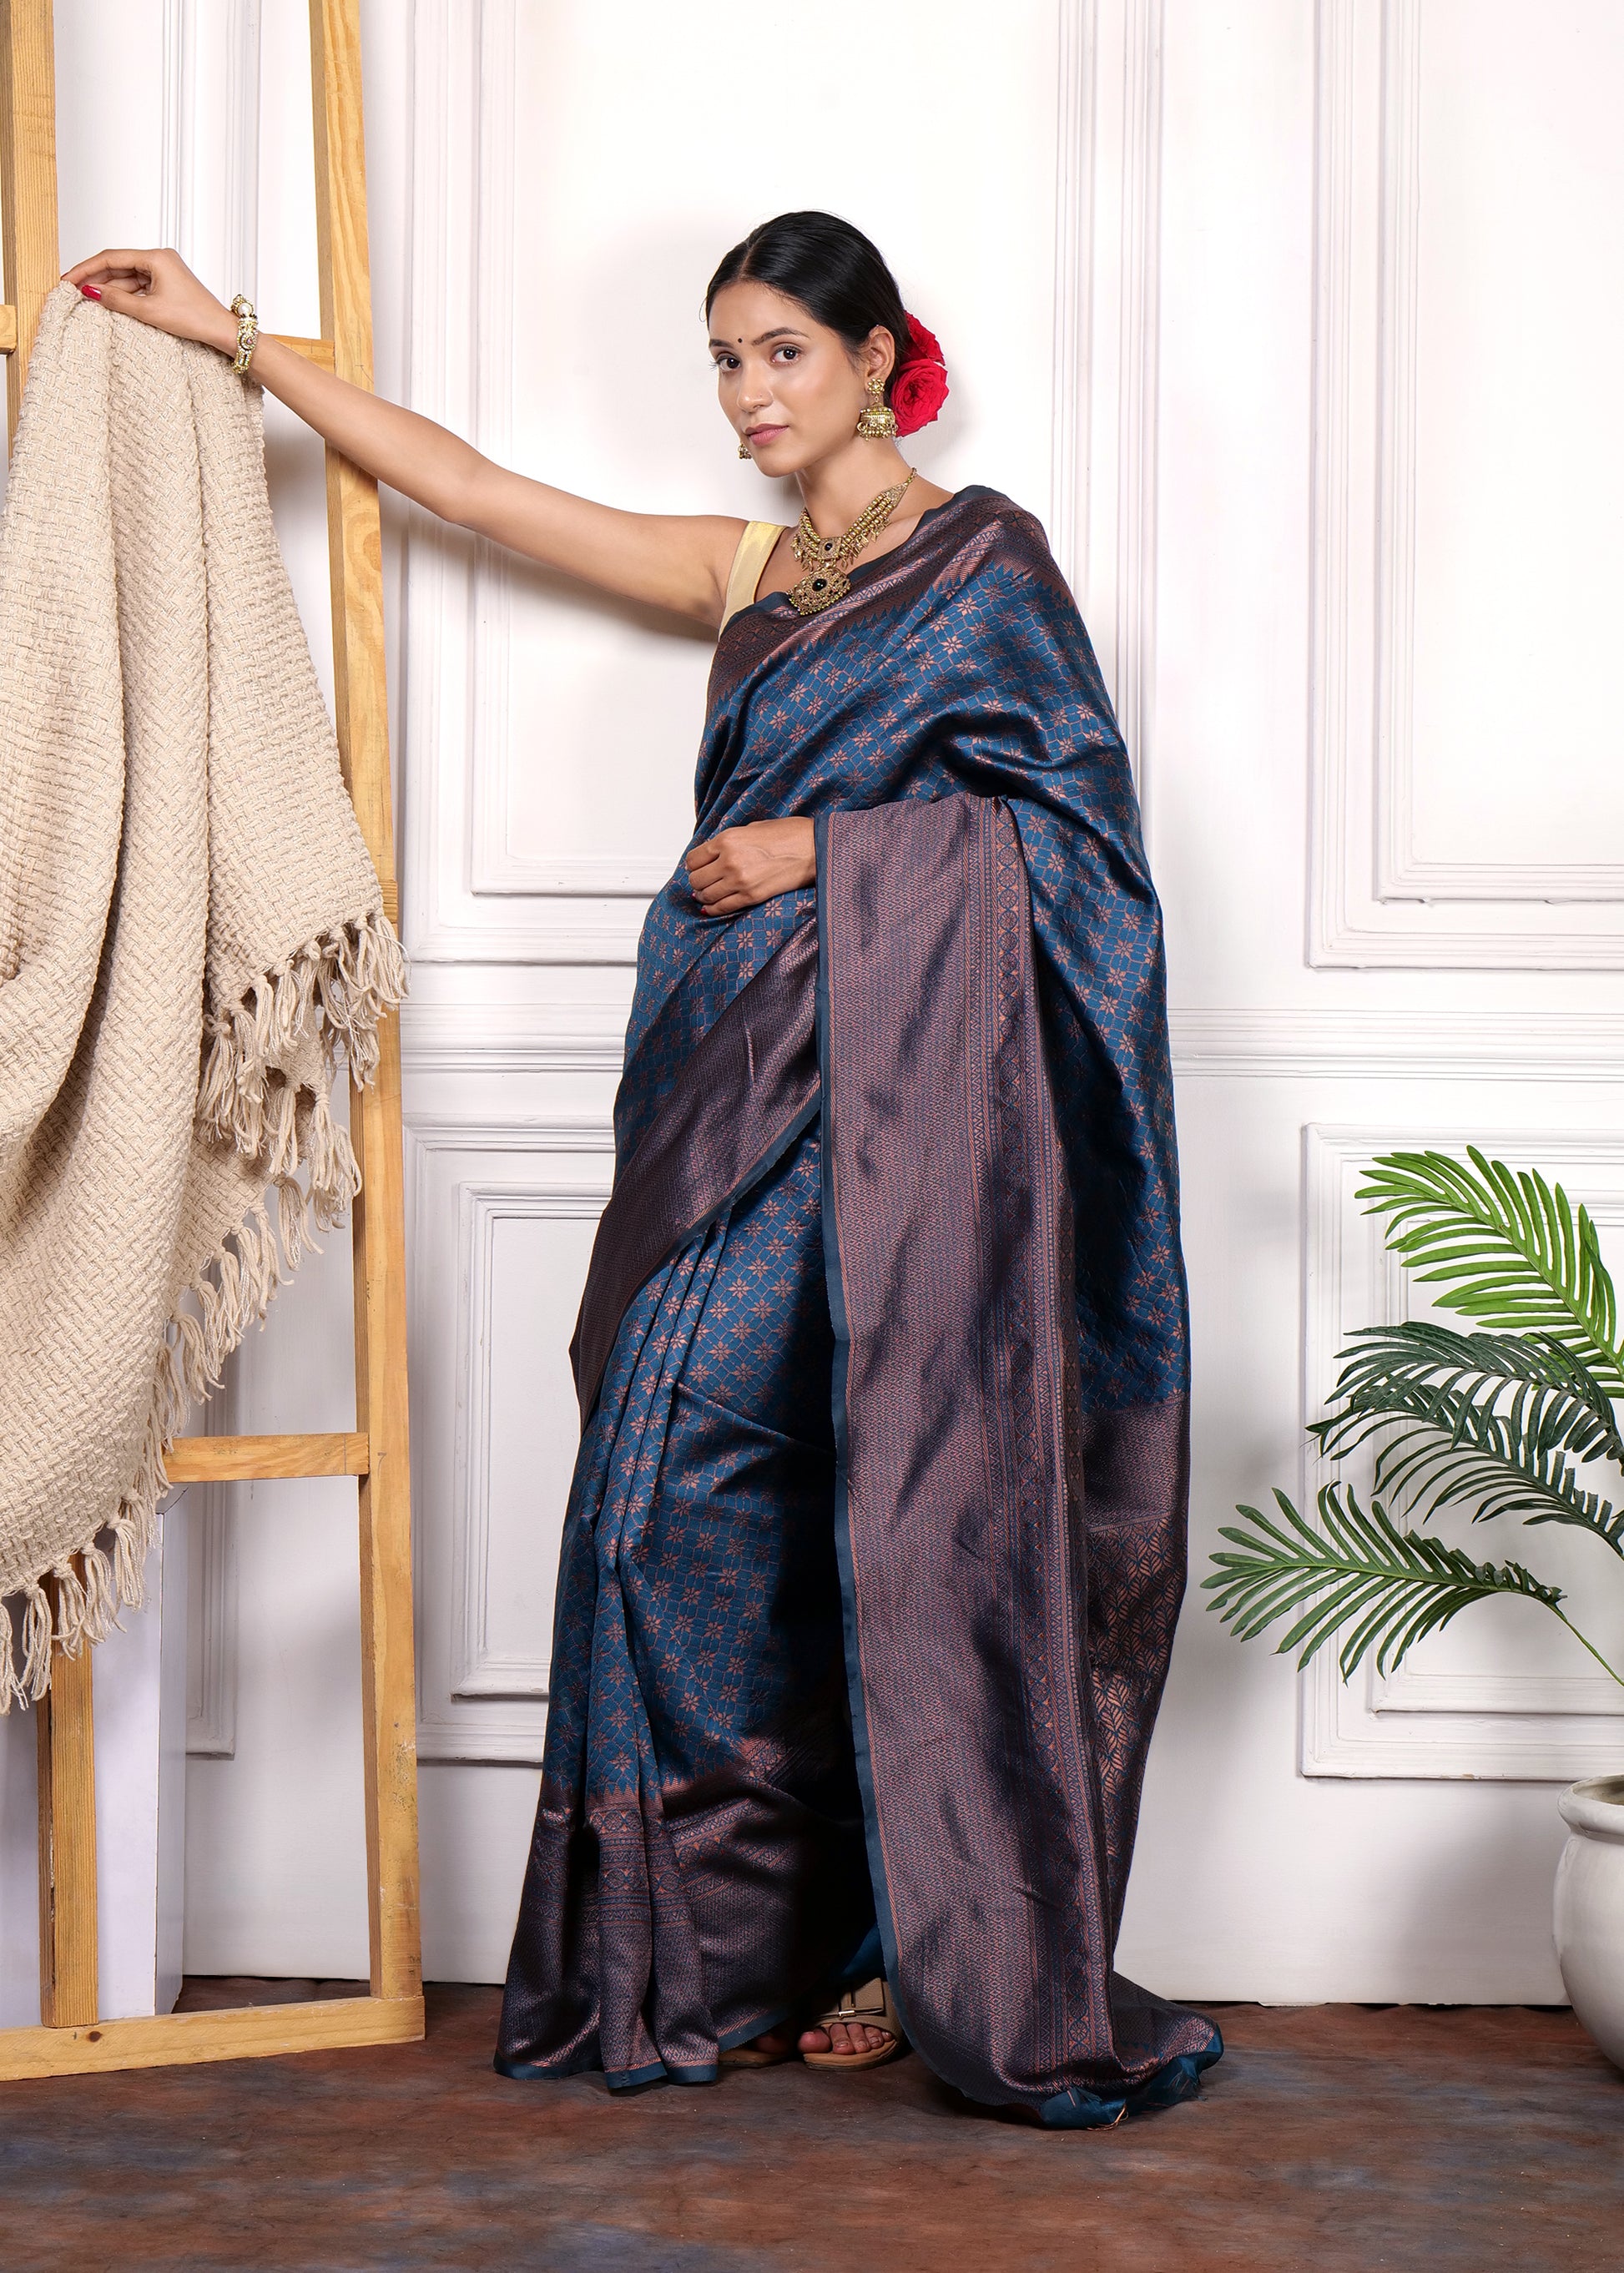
column 754, row 549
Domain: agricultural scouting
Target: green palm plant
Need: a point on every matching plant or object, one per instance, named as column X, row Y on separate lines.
column 1500, row 1419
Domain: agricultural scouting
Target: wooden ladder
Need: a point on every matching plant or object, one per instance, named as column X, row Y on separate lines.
column 72, row 2036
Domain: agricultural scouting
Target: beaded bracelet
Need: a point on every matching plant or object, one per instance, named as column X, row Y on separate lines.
column 247, row 331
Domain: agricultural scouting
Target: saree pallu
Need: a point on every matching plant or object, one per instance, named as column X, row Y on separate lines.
column 876, row 1542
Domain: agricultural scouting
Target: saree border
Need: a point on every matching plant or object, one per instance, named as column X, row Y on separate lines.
column 873, row 1841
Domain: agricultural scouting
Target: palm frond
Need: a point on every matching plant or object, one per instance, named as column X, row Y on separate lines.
column 1424, row 1468
column 1358, row 1569
column 1421, row 1351
column 1468, row 1441
column 1506, row 1247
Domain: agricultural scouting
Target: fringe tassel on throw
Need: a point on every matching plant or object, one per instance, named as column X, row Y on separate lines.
column 358, row 971
column 245, row 1100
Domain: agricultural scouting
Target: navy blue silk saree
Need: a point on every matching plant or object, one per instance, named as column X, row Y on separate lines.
column 875, row 1541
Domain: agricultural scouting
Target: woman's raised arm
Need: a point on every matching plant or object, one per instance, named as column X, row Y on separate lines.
column 668, row 561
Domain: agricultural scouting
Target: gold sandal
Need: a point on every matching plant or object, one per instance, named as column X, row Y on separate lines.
column 870, row 2005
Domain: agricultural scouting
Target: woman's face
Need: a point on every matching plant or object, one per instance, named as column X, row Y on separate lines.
column 791, row 387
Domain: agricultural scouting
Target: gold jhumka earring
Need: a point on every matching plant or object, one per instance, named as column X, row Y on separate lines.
column 877, row 421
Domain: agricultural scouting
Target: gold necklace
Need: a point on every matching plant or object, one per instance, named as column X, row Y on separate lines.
column 826, row 558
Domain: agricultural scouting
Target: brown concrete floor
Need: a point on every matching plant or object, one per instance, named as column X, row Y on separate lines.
column 1335, row 2136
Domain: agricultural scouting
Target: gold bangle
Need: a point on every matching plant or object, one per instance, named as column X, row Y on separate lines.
column 247, row 331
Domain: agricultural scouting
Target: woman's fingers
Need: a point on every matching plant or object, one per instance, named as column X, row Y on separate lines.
column 721, row 890
column 755, row 861
column 714, row 878
column 131, row 270
column 158, row 289
column 714, row 848
column 123, row 299
column 124, row 280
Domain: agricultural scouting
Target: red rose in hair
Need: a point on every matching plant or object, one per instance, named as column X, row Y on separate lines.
column 920, row 387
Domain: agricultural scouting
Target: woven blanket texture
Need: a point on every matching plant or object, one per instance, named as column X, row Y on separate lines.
column 191, row 941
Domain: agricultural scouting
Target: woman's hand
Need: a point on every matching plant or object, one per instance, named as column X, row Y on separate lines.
column 742, row 866
column 158, row 289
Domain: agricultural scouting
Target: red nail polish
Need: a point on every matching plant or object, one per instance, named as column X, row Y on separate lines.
column 89, row 292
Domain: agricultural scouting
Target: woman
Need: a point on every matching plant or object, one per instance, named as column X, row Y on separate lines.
column 876, row 1540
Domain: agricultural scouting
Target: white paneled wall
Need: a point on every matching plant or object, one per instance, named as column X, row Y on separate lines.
column 1469, row 480
column 550, row 737
column 1285, row 318
column 1313, row 549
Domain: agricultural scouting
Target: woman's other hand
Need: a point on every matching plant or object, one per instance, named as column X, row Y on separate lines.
column 158, row 289
column 742, row 866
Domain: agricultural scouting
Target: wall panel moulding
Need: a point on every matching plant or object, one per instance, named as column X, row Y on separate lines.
column 503, row 1210
column 1435, row 840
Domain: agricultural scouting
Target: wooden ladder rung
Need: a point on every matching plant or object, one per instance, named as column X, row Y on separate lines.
column 245, row 2032
column 249, row 1460
column 313, row 350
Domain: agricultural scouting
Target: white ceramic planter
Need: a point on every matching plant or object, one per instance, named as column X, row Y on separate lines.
column 1588, row 1909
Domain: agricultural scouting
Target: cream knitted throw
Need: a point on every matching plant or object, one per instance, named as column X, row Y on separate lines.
column 190, row 931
